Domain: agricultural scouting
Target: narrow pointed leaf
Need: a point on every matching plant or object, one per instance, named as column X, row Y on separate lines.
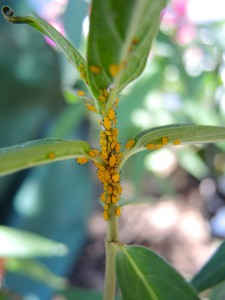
column 212, row 273
column 142, row 274
column 185, row 134
column 20, row 244
column 35, row 270
column 40, row 152
column 121, row 34
column 73, row 56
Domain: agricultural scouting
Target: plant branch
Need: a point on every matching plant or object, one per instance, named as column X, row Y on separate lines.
column 112, row 237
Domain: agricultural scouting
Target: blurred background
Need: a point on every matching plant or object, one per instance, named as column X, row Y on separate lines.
column 174, row 198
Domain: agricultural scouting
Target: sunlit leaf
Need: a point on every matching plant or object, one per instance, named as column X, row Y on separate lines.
column 39, row 152
column 73, row 56
column 20, row 244
column 213, row 272
column 121, row 34
column 35, row 270
column 176, row 134
column 142, row 274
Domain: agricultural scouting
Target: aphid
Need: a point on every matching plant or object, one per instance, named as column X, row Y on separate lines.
column 114, row 69
column 111, row 114
column 82, row 160
column 51, row 155
column 117, row 147
column 107, row 176
column 80, row 93
column 102, row 98
column 116, row 177
column 151, row 146
column 176, row 142
column 158, row 146
column 116, row 102
column 165, row 140
column 91, row 107
column 107, row 123
column 130, row 144
column 95, row 69
column 103, row 197
column 114, row 199
column 118, row 211
column 106, row 207
column 105, row 215
column 93, row 153
column 112, row 160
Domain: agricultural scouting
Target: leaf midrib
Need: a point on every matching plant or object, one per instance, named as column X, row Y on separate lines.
column 140, row 275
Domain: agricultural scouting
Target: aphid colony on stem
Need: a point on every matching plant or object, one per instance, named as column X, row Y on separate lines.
column 108, row 158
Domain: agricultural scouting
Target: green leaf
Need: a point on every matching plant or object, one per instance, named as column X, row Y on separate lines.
column 121, row 34
column 142, row 274
column 20, row 244
column 73, row 56
column 186, row 134
column 35, row 270
column 81, row 294
column 213, row 272
column 40, row 152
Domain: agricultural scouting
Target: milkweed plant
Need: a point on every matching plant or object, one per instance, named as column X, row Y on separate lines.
column 119, row 40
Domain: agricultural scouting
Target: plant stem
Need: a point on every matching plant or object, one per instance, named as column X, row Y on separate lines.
column 110, row 269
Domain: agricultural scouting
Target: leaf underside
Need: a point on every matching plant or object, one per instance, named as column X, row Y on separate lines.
column 40, row 152
column 185, row 134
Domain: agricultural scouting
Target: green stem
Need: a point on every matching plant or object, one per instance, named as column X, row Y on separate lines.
column 110, row 269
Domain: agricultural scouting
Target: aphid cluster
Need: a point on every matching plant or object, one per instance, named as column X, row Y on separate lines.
column 164, row 142
column 108, row 172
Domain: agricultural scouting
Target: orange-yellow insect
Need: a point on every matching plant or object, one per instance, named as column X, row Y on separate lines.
column 114, row 69
column 93, row 153
column 130, row 144
column 151, row 146
column 165, row 140
column 95, row 69
column 105, row 215
column 82, row 160
column 80, row 93
column 112, row 160
column 176, row 142
column 118, row 211
column 51, row 155
column 107, row 123
column 116, row 177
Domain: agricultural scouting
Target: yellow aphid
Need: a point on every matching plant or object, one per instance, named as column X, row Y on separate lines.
column 107, row 176
column 116, row 177
column 176, row 142
column 95, row 69
column 112, row 160
column 51, row 155
column 158, row 146
column 80, row 93
column 114, row 199
column 165, row 140
column 102, row 98
column 100, row 167
column 111, row 114
column 130, row 144
column 118, row 211
column 117, row 147
column 93, row 153
column 103, row 197
column 113, row 145
column 116, row 102
column 151, row 146
column 107, row 123
column 91, row 107
column 110, row 190
column 114, row 69
column 82, row 160
column 105, row 155
column 105, row 215
column 106, row 207
column 107, row 132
